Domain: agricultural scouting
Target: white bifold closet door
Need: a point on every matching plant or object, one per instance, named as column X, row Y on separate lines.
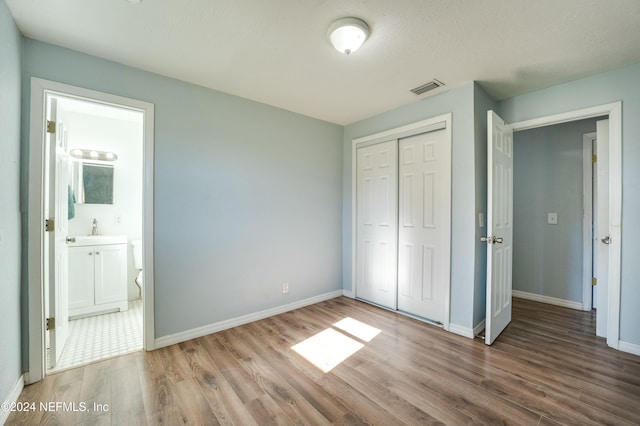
column 424, row 226
column 377, row 223
column 403, row 224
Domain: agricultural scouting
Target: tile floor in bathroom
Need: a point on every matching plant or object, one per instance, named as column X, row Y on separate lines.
column 102, row 336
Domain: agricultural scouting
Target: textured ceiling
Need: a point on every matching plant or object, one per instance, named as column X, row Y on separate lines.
column 276, row 51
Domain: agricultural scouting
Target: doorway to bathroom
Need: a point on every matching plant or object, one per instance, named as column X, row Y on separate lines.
column 96, row 233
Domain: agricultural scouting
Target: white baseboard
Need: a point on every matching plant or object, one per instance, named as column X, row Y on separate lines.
column 194, row 333
column 11, row 398
column 478, row 328
column 546, row 299
column 631, row 348
column 461, row 331
column 349, row 294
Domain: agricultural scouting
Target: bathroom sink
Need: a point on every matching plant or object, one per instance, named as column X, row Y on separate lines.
column 95, row 240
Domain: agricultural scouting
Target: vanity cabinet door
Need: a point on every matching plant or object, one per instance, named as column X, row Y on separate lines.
column 81, row 278
column 110, row 273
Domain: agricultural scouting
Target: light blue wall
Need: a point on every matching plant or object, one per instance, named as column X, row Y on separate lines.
column 10, row 245
column 247, row 196
column 459, row 101
column 619, row 85
column 547, row 177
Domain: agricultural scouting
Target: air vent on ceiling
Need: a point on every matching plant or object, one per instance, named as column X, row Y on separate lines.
column 433, row 84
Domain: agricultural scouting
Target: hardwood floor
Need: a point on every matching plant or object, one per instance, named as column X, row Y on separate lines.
column 547, row 368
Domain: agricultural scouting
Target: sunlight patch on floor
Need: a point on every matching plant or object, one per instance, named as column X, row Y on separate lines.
column 330, row 347
column 356, row 328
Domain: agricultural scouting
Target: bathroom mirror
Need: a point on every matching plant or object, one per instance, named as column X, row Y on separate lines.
column 92, row 183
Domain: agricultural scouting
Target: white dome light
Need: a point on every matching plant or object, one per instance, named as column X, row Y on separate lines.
column 348, row 34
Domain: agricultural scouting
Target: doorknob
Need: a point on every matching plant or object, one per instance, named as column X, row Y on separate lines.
column 491, row 240
column 606, row 239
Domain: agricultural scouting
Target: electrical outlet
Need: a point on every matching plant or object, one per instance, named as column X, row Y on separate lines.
column 285, row 288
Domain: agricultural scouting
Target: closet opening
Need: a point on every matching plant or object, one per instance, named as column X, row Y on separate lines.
column 402, row 217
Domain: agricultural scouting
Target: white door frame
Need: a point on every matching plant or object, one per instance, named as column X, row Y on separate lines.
column 39, row 89
column 412, row 129
column 614, row 111
column 587, row 220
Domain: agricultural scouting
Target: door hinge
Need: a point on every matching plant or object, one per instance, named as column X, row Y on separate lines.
column 594, row 281
column 49, row 225
column 51, row 126
column 51, row 324
column 594, row 158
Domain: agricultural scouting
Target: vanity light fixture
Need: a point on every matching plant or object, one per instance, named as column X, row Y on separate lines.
column 91, row 154
column 348, row 34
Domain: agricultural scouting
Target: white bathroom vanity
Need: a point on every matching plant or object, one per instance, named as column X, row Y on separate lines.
column 97, row 274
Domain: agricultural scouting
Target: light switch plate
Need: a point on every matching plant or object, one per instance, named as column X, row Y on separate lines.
column 552, row 218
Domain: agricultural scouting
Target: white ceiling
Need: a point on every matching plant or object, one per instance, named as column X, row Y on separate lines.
column 277, row 52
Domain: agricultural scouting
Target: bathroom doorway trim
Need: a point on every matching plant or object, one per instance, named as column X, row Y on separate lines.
column 39, row 89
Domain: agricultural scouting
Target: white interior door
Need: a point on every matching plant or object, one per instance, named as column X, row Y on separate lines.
column 594, row 223
column 602, row 226
column 499, row 226
column 424, row 229
column 58, row 255
column 376, row 223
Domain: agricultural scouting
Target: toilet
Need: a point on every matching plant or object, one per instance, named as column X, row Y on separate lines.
column 137, row 261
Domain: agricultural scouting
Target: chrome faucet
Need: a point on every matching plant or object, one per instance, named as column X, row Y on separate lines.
column 94, row 228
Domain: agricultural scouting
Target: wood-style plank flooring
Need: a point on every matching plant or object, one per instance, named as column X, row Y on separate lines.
column 547, row 368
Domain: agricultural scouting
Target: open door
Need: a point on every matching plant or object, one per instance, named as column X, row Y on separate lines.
column 499, row 226
column 601, row 233
column 57, row 229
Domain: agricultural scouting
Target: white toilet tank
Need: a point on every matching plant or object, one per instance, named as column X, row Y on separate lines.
column 137, row 253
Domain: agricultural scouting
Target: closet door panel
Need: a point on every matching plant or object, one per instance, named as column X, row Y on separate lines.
column 424, row 230
column 376, row 223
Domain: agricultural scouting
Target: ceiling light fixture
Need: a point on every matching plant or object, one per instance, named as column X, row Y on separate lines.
column 348, row 34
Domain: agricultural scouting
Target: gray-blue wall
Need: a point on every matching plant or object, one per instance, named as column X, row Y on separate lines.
column 247, row 196
column 547, row 177
column 10, row 245
column 619, row 85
